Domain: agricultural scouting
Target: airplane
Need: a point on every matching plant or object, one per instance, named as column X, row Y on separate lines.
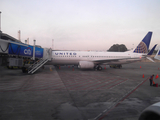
column 94, row 60
column 157, row 55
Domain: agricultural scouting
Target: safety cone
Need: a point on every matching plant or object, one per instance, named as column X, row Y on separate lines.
column 143, row 76
column 104, row 67
column 153, row 82
column 68, row 66
column 59, row 67
column 156, row 76
column 140, row 66
column 73, row 69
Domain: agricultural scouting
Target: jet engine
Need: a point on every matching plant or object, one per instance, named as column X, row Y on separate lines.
column 86, row 65
column 151, row 113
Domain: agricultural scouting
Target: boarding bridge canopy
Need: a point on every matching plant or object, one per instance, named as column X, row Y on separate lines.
column 14, row 47
column 24, row 50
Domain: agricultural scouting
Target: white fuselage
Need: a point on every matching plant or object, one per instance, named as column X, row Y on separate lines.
column 73, row 57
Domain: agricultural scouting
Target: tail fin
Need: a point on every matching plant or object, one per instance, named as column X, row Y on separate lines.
column 152, row 50
column 144, row 44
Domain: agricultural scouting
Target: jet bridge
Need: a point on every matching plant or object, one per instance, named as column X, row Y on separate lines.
column 14, row 53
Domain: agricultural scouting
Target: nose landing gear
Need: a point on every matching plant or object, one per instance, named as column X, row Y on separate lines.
column 98, row 67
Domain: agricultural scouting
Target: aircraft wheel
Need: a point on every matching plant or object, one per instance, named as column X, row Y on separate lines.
column 99, row 68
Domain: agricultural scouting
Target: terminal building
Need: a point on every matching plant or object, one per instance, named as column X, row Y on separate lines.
column 14, row 53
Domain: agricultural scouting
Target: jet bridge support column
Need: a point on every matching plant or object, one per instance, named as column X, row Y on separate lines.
column 34, row 50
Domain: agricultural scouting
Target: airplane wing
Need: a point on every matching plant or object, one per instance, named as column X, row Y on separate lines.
column 114, row 60
column 108, row 60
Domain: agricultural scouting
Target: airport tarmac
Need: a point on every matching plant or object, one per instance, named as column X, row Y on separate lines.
column 70, row 93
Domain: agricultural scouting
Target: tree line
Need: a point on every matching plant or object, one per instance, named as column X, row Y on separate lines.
column 122, row 48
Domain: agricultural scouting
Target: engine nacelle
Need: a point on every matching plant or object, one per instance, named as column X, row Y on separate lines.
column 151, row 113
column 86, row 65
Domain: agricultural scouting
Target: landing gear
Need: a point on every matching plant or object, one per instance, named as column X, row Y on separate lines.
column 98, row 67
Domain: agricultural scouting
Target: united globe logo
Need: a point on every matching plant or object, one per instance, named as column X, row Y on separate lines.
column 141, row 48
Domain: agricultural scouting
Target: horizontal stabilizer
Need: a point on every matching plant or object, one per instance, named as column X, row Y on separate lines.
column 150, row 59
column 158, row 58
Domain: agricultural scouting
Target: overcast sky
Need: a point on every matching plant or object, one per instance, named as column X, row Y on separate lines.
column 82, row 24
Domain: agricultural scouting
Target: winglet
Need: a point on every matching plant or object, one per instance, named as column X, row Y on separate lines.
column 152, row 50
column 144, row 44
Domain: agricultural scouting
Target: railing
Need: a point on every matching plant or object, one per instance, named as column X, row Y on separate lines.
column 34, row 67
